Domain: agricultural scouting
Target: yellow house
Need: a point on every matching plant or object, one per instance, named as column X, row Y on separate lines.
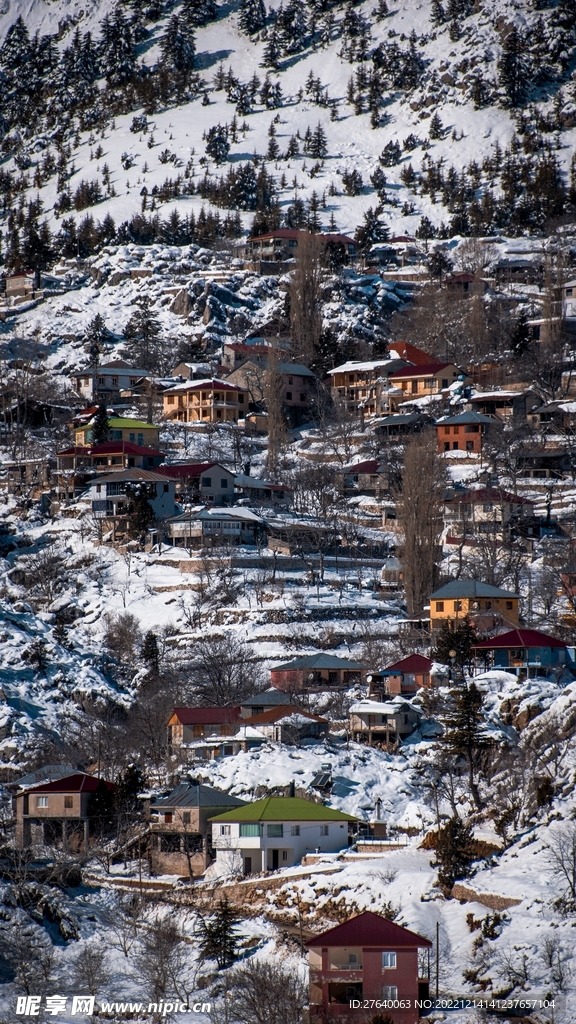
column 422, row 380
column 120, row 429
column 210, row 401
column 486, row 606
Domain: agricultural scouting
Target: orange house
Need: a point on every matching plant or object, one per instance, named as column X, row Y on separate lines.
column 465, row 432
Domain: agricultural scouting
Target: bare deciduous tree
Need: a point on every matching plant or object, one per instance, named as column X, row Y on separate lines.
column 419, row 510
column 90, row 971
column 264, row 992
column 562, row 850
column 305, row 295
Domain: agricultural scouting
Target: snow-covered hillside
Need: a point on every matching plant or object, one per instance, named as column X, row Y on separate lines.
column 424, row 66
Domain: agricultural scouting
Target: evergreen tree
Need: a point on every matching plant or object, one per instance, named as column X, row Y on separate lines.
column 372, row 231
column 520, row 338
column 454, row 853
column 143, row 331
column 457, row 635
column 129, row 784
column 313, row 214
column 437, row 15
column 151, row 652
column 378, row 182
column 178, row 47
column 198, row 12
column 251, row 16
column 60, row 635
column 96, row 338
column 391, row 154
column 463, row 732
column 117, row 50
column 513, row 68
column 101, row 809
column 217, row 144
column 439, row 264
column 100, row 428
column 272, row 51
column 218, row 939
column 425, row 230
column 318, row 146
column 436, row 129
column 140, row 510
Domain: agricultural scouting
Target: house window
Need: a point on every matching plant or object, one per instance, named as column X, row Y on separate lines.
column 114, row 382
column 439, row 606
column 388, row 959
column 186, row 818
column 290, row 380
column 168, row 817
column 68, row 801
column 446, row 430
column 288, row 395
column 240, row 399
column 295, row 830
column 323, row 830
column 170, row 399
column 275, row 831
column 41, row 801
column 352, row 958
column 206, row 481
column 487, row 508
column 457, row 606
column 225, row 830
column 102, row 380
column 508, row 606
column 302, row 397
column 469, row 446
column 389, row 991
column 250, row 829
column 166, row 488
column 223, row 484
column 132, row 381
column 444, row 382
column 284, row 854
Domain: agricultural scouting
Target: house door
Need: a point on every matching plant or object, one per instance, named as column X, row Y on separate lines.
column 274, row 860
column 247, row 865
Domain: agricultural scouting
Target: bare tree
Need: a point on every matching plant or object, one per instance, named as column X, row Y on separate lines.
column 273, row 386
column 419, row 509
column 562, row 850
column 305, row 295
column 90, row 971
column 264, row 992
column 164, row 961
column 223, row 671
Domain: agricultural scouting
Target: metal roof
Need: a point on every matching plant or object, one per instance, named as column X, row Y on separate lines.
column 190, row 795
column 284, row 808
column 519, row 638
column 470, row 588
column 268, row 698
column 370, row 929
column 205, row 716
column 319, row 661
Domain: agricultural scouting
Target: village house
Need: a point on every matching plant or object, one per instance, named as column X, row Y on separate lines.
column 527, row 653
column 486, row 511
column 288, row 724
column 208, row 733
column 421, row 381
column 257, row 350
column 317, row 672
column 28, row 477
column 113, row 496
column 364, row 384
column 487, row 607
column 104, row 383
column 370, row 477
column 382, row 724
column 57, row 813
column 261, row 492
column 180, row 836
column 403, row 678
column 510, row 406
column 269, row 252
column 20, row 286
column 208, row 401
column 367, row 958
column 297, row 382
column 201, row 481
column 464, row 432
column 300, row 537
column 276, row 833
column 401, row 424
column 77, row 465
column 119, row 429
column 215, row 527
column 270, row 698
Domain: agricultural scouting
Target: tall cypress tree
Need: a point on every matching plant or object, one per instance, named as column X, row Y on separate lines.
column 100, row 428
column 453, row 853
column 513, row 68
column 464, row 736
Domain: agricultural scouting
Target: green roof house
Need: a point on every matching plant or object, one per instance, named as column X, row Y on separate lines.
column 276, row 833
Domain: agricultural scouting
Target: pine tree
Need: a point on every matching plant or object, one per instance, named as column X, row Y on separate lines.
column 454, row 853
column 436, row 129
column 437, row 15
column 217, row 144
column 372, row 231
column 218, row 939
column 151, row 652
column 143, row 331
column 95, row 339
column 457, row 635
column 101, row 809
column 100, row 428
column 117, row 50
column 198, row 12
column 313, row 214
column 513, row 68
column 178, row 47
column 463, row 732
column 439, row 264
column 272, row 51
column 140, row 510
column 318, row 146
column 391, row 154
column 251, row 16
column 520, row 338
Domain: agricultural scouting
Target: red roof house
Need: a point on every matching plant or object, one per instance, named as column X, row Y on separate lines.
column 58, row 813
column 367, row 958
column 404, row 677
column 526, row 652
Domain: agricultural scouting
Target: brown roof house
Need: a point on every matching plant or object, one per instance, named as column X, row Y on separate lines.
column 207, row 733
column 58, row 813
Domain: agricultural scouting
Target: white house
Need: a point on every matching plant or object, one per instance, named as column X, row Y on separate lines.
column 387, row 723
column 205, row 527
column 276, row 833
column 110, row 495
column 107, row 381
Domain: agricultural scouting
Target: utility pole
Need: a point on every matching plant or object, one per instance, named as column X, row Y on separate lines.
column 437, row 957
